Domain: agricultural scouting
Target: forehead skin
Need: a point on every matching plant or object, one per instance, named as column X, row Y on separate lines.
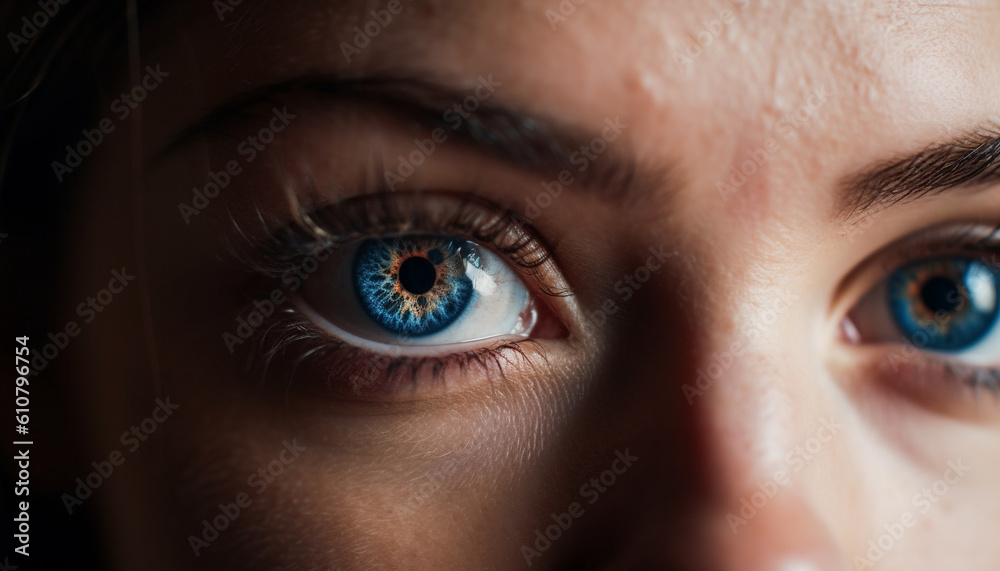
column 700, row 84
column 894, row 76
column 890, row 67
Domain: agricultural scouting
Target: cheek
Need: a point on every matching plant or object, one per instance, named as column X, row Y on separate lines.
column 442, row 481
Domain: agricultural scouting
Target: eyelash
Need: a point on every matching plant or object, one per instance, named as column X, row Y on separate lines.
column 384, row 213
column 953, row 240
column 293, row 337
column 975, row 377
column 349, row 371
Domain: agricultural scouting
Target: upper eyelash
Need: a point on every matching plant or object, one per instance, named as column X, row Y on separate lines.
column 473, row 217
column 972, row 237
column 380, row 214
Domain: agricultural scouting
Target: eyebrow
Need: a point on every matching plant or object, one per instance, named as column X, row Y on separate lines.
column 968, row 161
column 521, row 139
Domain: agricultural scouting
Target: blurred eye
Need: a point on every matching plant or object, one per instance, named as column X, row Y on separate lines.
column 419, row 290
column 944, row 304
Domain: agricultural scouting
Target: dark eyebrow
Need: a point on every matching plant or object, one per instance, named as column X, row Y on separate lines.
column 528, row 142
column 968, row 161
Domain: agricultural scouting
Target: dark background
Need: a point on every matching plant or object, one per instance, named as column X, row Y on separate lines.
column 48, row 93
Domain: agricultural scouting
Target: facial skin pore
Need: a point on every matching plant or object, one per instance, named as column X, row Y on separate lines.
column 743, row 121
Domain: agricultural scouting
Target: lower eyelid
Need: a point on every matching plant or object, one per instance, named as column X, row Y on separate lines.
column 392, row 350
column 295, row 357
column 930, row 381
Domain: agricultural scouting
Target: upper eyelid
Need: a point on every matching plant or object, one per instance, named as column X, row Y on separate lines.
column 363, row 215
column 943, row 238
column 954, row 238
column 526, row 141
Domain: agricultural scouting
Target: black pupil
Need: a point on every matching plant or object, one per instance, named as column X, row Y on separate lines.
column 940, row 293
column 417, row 275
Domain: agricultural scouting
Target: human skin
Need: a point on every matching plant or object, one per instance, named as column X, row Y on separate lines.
column 480, row 460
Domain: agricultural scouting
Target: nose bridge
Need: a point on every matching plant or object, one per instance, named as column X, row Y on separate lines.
column 760, row 409
column 746, row 381
column 724, row 394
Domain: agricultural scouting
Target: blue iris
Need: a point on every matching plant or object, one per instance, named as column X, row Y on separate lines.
column 946, row 303
column 414, row 285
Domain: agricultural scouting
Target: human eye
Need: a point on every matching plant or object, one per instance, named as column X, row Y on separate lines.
column 396, row 295
column 935, row 313
column 417, row 291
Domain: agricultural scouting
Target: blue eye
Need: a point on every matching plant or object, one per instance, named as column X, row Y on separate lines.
column 414, row 286
column 404, row 294
column 946, row 304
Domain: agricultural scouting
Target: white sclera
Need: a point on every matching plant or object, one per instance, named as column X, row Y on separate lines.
column 981, row 282
column 497, row 309
column 874, row 323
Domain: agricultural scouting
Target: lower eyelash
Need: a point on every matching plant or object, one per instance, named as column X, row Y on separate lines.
column 935, row 379
column 343, row 370
column 975, row 377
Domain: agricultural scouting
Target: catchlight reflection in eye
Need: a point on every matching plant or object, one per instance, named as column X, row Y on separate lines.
column 418, row 291
column 951, row 300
